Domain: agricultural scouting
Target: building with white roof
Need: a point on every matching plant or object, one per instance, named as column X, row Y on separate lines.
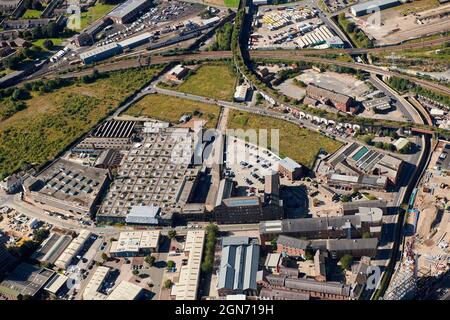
column 128, row 10
column 143, row 215
column 401, row 143
column 135, row 243
column 100, row 53
column 372, row 6
column 91, row 292
column 125, row 291
column 187, row 286
column 177, row 73
column 136, row 40
column 240, row 94
column 72, row 250
column 56, row 283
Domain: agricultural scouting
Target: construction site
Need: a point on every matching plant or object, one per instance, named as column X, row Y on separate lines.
column 406, row 21
column 427, row 234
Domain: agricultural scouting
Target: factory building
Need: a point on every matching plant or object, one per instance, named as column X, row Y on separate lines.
column 25, row 280
column 348, row 182
column 290, row 169
column 52, row 248
column 240, row 95
column 238, row 266
column 135, row 41
column 187, row 286
column 67, row 187
column 364, row 8
column 143, row 215
column 336, row 247
column 101, row 53
column 114, row 134
column 128, row 10
column 177, row 73
column 135, row 243
column 320, row 228
column 356, row 165
column 246, row 210
column 72, row 250
column 312, row 288
column 335, row 42
column 340, row 101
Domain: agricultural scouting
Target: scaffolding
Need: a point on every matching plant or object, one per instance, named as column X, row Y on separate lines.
column 404, row 282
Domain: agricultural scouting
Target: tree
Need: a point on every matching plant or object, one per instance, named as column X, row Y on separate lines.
column 135, row 272
column 104, row 256
column 48, row 44
column 366, row 235
column 150, row 260
column 274, row 243
column 168, row 284
column 170, row 264
column 346, row 262
column 40, row 235
column 309, row 254
column 171, row 233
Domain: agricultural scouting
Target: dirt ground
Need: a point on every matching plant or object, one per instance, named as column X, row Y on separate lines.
column 401, row 23
column 395, row 114
column 338, row 82
column 433, row 227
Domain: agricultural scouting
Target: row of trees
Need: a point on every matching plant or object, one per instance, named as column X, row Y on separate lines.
column 403, row 85
column 223, row 38
column 211, row 236
column 357, row 35
column 51, row 30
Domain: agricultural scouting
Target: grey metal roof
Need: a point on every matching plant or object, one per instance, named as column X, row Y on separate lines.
column 292, row 242
column 350, row 206
column 235, row 241
column 238, row 266
column 352, row 244
column 372, row 4
column 126, row 7
column 310, row 224
column 310, row 285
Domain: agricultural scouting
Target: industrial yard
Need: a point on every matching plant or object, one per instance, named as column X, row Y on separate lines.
column 406, row 21
column 289, row 28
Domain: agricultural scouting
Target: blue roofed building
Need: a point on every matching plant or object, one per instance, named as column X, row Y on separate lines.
column 238, row 266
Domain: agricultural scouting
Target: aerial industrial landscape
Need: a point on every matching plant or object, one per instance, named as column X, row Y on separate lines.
column 224, row 150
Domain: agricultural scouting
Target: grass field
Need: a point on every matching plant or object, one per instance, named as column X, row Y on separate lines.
column 53, row 120
column 94, row 13
column 216, row 81
column 56, row 42
column 302, row 145
column 170, row 109
column 31, row 14
column 231, row 3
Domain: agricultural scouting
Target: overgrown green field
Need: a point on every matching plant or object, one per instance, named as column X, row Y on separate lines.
column 56, row 42
column 302, row 145
column 31, row 14
column 94, row 13
column 214, row 80
column 53, row 120
column 170, row 109
column 231, row 3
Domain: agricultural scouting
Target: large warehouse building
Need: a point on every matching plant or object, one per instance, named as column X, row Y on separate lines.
column 372, row 6
column 128, row 10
